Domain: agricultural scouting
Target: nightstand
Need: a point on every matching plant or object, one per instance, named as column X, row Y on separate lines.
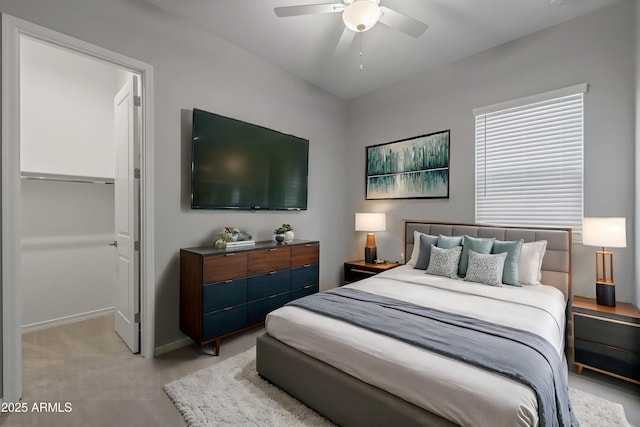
column 358, row 270
column 606, row 339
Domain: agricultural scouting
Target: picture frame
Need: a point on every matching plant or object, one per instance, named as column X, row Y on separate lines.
column 411, row 168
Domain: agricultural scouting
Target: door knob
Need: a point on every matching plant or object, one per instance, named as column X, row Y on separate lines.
column 114, row 243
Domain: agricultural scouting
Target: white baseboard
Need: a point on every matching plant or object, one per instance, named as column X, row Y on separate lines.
column 67, row 319
column 183, row 342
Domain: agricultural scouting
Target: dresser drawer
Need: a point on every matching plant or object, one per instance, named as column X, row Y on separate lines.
column 265, row 285
column 303, row 292
column 223, row 321
column 218, row 268
column 267, row 260
column 613, row 333
column 303, row 276
column 620, row 362
column 225, row 294
column 257, row 310
column 305, row 254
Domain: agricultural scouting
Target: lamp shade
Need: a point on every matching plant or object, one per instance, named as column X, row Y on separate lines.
column 605, row 232
column 361, row 15
column 371, row 222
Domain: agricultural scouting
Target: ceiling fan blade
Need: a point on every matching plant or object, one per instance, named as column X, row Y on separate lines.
column 308, row 9
column 401, row 22
column 344, row 42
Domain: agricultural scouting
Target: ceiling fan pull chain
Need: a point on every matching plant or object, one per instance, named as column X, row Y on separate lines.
column 360, row 34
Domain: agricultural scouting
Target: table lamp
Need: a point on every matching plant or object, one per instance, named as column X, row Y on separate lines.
column 604, row 232
column 370, row 222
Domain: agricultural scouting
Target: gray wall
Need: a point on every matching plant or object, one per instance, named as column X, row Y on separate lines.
column 193, row 68
column 637, row 148
column 597, row 48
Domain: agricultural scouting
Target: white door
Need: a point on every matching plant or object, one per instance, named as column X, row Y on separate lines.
column 127, row 130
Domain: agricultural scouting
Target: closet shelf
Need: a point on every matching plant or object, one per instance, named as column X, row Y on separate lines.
column 66, row 178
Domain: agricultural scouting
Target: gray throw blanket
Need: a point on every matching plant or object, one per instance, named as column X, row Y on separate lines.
column 521, row 355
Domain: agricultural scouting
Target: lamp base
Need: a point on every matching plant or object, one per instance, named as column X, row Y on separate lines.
column 370, row 253
column 605, row 295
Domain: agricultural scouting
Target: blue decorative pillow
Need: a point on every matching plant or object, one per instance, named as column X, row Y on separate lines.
column 513, row 248
column 448, row 242
column 486, row 268
column 444, row 262
column 424, row 256
column 476, row 244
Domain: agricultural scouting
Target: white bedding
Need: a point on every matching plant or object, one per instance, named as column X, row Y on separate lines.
column 464, row 394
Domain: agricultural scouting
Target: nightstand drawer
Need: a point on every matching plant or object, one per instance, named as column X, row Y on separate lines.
column 613, row 333
column 610, row 359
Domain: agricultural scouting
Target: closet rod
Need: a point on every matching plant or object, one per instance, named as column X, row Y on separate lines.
column 66, row 178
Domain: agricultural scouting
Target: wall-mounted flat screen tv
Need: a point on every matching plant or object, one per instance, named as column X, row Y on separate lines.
column 238, row 165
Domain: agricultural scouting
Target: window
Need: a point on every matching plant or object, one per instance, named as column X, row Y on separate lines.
column 529, row 160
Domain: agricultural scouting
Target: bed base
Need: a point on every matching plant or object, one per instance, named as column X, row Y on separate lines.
column 343, row 399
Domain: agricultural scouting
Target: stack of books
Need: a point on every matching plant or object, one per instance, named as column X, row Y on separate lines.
column 240, row 244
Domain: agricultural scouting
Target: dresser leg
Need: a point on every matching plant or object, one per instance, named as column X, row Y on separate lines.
column 580, row 369
column 216, row 347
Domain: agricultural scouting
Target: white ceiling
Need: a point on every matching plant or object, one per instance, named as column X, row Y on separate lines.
column 318, row 49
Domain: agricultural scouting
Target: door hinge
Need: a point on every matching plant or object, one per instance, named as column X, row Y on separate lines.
column 137, row 100
column 136, row 318
column 136, row 245
column 136, row 173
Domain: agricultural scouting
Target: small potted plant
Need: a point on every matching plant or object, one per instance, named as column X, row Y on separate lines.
column 286, row 231
column 279, row 234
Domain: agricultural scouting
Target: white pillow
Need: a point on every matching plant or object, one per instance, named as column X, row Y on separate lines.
column 530, row 265
column 416, row 248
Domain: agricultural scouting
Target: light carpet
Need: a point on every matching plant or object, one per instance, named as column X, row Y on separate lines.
column 232, row 393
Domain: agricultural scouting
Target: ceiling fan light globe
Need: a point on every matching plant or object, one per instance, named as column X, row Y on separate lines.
column 361, row 15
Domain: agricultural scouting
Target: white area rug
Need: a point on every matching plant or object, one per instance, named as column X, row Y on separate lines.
column 231, row 393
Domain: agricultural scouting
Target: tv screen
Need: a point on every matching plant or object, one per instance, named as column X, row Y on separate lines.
column 238, row 165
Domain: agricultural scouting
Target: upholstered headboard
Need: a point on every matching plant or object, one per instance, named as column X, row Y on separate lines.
column 556, row 265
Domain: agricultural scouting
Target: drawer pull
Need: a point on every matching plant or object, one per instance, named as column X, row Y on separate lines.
column 273, row 249
column 356, row 270
column 227, row 308
column 307, row 245
column 229, row 254
column 272, row 296
column 306, row 266
column 228, row 281
column 272, row 272
column 308, row 286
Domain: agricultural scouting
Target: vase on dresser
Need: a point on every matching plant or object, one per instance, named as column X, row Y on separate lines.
column 288, row 236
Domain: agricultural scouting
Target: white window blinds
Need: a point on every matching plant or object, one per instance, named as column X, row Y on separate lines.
column 529, row 161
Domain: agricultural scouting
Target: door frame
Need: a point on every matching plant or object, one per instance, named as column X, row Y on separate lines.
column 10, row 197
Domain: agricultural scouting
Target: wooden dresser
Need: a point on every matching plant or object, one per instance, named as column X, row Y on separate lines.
column 606, row 339
column 223, row 292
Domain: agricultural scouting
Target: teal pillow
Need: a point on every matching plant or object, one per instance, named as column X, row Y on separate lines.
column 424, row 256
column 448, row 242
column 513, row 248
column 478, row 245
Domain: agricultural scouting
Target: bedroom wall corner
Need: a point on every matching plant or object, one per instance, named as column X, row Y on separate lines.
column 636, row 236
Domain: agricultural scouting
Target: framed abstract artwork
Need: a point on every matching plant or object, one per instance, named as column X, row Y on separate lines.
column 412, row 168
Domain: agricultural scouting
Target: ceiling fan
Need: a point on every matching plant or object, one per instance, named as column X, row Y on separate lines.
column 359, row 15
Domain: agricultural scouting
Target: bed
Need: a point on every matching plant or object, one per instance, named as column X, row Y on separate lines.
column 355, row 376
